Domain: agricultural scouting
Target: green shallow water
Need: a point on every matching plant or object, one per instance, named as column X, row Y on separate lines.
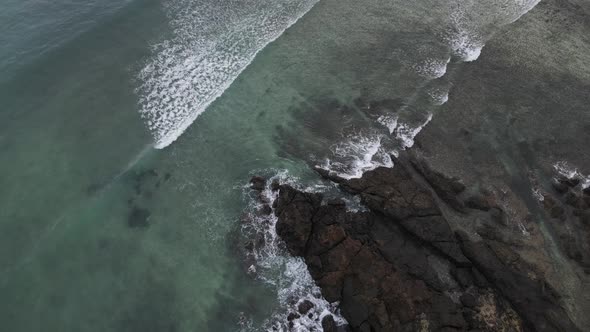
column 79, row 170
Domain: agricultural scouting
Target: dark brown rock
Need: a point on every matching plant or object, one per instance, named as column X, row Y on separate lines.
column 328, row 324
column 305, row 306
column 568, row 182
column 479, row 202
column 274, row 186
column 386, row 266
column 295, row 211
column 574, row 199
column 448, row 188
column 266, row 209
column 559, row 186
column 537, row 304
column 468, row 300
column 292, row 316
column 257, row 183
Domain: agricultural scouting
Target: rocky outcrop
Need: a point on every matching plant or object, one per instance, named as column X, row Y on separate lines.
column 407, row 264
column 567, row 205
column 453, row 238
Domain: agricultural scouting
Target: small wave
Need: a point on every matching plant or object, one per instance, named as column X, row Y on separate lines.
column 471, row 21
column 272, row 264
column 465, row 47
column 439, row 96
column 213, row 43
column 521, row 7
column 406, row 133
column 465, row 41
column 431, row 68
column 356, row 155
column 564, row 169
column 389, row 121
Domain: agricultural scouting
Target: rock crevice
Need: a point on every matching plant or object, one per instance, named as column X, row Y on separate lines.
column 406, row 265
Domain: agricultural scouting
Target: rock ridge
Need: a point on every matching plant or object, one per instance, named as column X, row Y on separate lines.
column 408, row 263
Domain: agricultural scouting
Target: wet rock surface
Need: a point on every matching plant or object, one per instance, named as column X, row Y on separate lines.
column 468, row 232
column 568, row 208
column 407, row 264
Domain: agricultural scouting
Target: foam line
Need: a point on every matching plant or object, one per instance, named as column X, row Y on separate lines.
column 212, row 43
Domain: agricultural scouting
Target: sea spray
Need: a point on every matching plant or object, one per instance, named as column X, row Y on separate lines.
column 357, row 154
column 270, row 262
column 564, row 169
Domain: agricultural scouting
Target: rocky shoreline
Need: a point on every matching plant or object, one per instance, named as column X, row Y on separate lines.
column 410, row 263
column 476, row 227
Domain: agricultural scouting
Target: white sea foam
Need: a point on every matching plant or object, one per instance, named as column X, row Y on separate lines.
column 439, row 95
column 521, row 7
column 356, row 155
column 537, row 194
column 273, row 265
column 389, row 121
column 406, row 133
column 465, row 41
column 563, row 168
column 465, row 47
column 212, row 43
column 431, row 68
column 471, row 19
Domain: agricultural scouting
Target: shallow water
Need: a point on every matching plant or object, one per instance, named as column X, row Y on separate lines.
column 100, row 231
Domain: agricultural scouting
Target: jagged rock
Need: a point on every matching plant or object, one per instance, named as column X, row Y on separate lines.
column 468, row 300
column 479, row 202
column 393, row 267
column 266, row 210
column 536, row 303
column 393, row 192
column 274, row 186
column 296, row 210
column 328, row 324
column 447, row 188
column 559, row 186
column 568, row 182
column 257, row 183
column 305, row 306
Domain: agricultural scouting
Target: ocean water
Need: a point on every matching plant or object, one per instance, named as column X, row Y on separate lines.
column 129, row 130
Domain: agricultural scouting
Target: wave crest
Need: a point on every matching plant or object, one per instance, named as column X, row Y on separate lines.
column 212, row 43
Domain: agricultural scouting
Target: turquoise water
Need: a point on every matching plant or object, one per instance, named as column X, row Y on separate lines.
column 100, row 231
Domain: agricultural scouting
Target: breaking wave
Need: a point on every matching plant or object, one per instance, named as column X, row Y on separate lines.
column 432, row 68
column 470, row 21
column 566, row 170
column 356, row 155
column 212, row 43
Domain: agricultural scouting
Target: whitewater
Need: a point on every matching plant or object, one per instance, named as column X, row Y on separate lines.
column 212, row 43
